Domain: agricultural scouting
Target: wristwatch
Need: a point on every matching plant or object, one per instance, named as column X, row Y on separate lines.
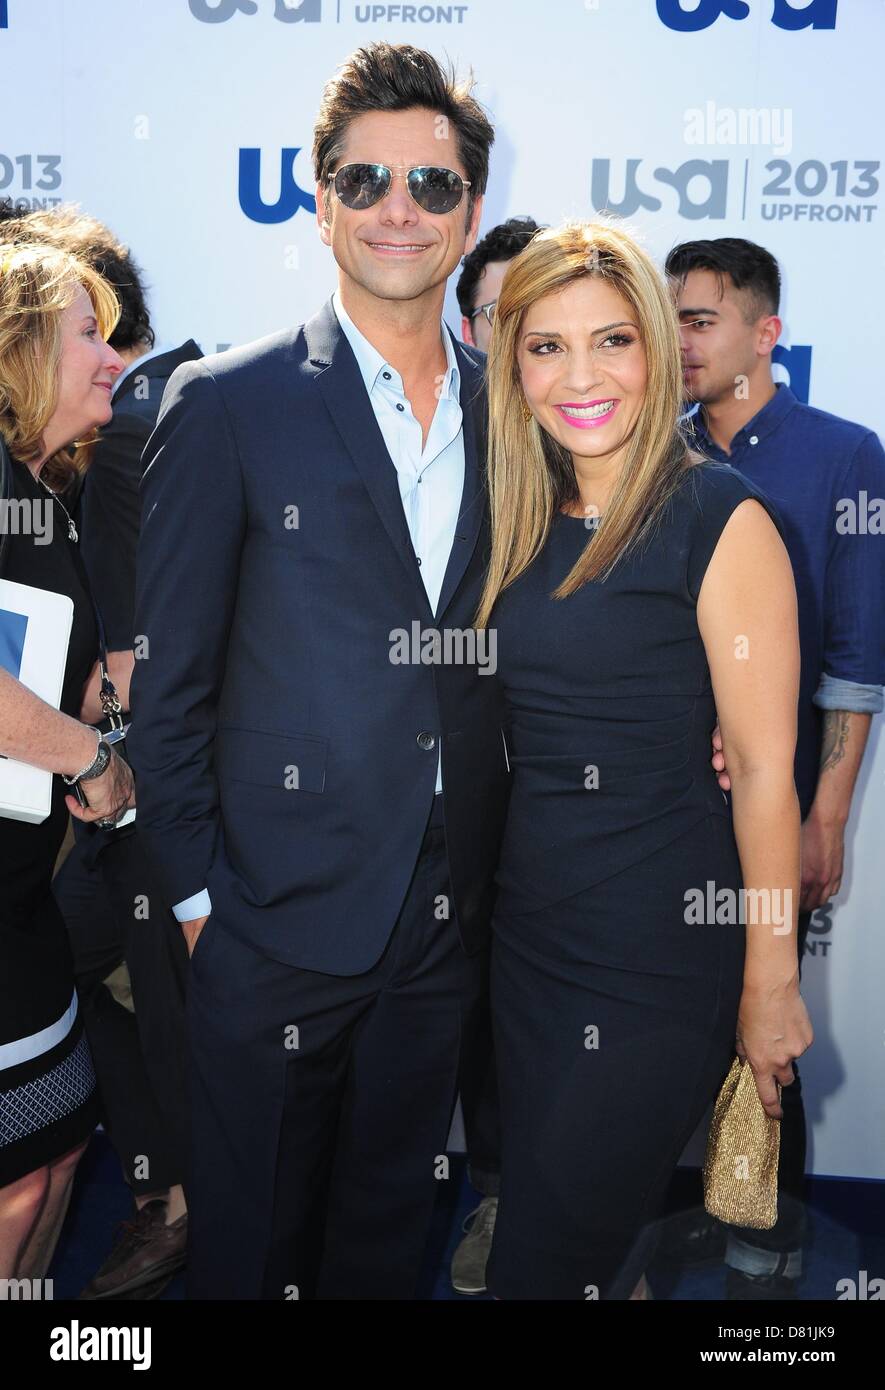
column 93, row 769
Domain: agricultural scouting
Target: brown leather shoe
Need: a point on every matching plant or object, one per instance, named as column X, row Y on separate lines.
column 146, row 1251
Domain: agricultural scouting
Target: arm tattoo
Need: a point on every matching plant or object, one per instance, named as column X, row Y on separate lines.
column 835, row 736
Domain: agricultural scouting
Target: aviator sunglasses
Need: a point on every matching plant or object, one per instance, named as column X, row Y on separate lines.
column 434, row 189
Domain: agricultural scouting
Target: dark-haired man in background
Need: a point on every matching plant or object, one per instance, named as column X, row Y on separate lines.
column 810, row 464
column 482, row 273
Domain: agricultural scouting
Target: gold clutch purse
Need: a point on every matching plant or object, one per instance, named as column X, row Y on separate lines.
column 740, row 1164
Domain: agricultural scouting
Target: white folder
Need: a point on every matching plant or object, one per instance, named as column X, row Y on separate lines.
column 35, row 629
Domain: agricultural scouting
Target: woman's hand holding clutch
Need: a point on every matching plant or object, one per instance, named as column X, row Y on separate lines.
column 773, row 1029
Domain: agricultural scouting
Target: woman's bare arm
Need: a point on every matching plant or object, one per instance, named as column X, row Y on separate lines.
column 748, row 621
column 33, row 732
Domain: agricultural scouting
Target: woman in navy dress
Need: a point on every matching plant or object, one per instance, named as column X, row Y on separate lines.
column 635, row 592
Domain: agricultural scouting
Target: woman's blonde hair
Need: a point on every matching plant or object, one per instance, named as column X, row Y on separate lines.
column 531, row 475
column 37, row 283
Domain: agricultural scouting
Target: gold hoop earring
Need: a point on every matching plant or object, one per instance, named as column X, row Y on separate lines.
column 526, row 413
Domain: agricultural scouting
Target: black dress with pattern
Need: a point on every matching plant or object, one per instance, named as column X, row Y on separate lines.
column 614, row 1017
column 48, row 1098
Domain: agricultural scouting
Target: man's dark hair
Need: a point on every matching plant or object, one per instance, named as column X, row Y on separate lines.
column 502, row 243
column 748, row 266
column 74, row 231
column 397, row 77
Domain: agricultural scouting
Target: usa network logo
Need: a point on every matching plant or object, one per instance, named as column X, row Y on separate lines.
column 713, row 189
column 820, row 14
column 795, row 368
column 700, row 185
column 286, row 11
column 291, row 196
column 819, row 939
column 310, row 12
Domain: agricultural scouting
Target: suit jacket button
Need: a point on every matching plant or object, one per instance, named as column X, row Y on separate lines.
column 426, row 741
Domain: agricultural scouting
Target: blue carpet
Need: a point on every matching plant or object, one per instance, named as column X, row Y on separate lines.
column 847, row 1234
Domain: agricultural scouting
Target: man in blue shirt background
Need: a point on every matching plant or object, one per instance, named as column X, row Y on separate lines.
column 826, row 477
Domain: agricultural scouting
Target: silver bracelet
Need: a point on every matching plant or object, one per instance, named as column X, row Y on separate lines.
column 89, row 766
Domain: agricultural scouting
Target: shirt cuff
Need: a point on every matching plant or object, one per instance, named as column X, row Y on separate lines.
column 833, row 693
column 200, row 905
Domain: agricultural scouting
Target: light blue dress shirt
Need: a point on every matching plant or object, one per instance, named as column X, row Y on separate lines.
column 431, row 478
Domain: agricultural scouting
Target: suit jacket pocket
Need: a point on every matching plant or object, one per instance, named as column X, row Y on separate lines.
column 291, row 762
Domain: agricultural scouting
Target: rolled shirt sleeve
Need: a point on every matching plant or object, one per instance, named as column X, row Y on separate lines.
column 854, row 618
column 848, row 695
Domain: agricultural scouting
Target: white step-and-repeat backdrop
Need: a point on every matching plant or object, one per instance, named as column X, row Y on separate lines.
column 186, row 126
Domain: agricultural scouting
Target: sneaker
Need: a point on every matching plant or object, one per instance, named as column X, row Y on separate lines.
column 471, row 1257
column 146, row 1251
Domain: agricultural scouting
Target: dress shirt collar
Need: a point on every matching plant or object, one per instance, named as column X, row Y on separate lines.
column 372, row 364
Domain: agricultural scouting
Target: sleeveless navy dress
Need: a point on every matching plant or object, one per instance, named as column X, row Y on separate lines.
column 614, row 1018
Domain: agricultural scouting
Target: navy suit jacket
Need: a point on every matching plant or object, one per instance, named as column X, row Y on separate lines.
column 281, row 757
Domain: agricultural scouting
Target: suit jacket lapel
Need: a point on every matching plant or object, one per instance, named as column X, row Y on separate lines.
column 339, row 382
column 341, row 385
column 473, row 501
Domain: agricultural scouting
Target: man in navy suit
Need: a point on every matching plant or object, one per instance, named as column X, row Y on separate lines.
column 321, row 768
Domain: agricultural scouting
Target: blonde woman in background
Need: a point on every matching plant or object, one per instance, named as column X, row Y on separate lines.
column 56, row 375
column 635, row 592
